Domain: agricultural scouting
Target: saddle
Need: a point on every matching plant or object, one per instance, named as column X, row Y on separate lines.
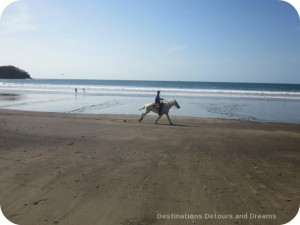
column 155, row 105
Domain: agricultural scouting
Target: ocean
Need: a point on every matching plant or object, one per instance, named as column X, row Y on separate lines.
column 239, row 101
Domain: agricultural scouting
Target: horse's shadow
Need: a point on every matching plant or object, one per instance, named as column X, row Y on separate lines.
column 175, row 125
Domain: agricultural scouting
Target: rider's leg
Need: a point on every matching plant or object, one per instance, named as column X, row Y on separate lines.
column 159, row 108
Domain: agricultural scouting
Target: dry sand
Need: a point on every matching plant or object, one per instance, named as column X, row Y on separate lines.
column 87, row 170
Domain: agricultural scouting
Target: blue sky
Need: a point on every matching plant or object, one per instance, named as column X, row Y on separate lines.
column 193, row 40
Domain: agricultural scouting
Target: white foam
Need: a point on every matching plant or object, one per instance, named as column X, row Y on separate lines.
column 147, row 91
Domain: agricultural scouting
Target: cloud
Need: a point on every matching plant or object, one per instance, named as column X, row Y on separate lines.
column 15, row 25
column 16, row 21
column 177, row 48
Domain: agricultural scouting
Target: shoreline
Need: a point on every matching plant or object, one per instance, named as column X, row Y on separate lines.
column 75, row 169
column 230, row 101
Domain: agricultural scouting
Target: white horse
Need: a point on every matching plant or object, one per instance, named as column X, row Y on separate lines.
column 165, row 107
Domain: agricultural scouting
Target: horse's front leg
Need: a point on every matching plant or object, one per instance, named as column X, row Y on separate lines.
column 159, row 116
column 169, row 119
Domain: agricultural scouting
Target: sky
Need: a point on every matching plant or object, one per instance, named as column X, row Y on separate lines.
column 186, row 40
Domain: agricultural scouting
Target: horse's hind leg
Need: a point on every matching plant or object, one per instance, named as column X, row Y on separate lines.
column 142, row 116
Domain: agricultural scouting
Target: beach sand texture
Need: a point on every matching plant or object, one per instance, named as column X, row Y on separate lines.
column 91, row 169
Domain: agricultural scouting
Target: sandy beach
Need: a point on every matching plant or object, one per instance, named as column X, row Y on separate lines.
column 109, row 169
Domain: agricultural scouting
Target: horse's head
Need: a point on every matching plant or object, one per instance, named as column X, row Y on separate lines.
column 176, row 104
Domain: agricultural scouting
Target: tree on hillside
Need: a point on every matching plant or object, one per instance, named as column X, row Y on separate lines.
column 12, row 72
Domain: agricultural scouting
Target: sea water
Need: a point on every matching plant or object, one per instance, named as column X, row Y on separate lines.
column 242, row 101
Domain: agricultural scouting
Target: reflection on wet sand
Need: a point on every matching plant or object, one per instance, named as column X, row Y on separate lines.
column 9, row 97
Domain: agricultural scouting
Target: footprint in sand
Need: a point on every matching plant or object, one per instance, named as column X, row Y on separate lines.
column 40, row 202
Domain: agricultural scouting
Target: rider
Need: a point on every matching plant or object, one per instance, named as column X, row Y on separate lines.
column 157, row 102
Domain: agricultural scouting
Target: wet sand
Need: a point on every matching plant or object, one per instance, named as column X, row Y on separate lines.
column 9, row 97
column 110, row 169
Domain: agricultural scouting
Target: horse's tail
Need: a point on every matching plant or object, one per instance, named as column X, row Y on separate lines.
column 142, row 108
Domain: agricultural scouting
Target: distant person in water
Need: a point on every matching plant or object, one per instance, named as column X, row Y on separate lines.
column 83, row 90
column 75, row 90
column 158, row 100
